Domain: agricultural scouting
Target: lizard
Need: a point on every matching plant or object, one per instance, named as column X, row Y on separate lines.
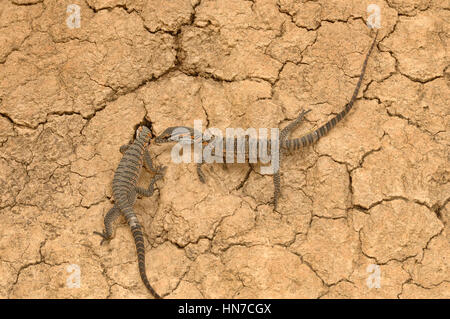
column 125, row 189
column 188, row 134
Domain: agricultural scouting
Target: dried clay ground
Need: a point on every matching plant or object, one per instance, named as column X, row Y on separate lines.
column 375, row 191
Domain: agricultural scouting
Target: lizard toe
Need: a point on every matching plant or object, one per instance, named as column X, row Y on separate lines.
column 105, row 238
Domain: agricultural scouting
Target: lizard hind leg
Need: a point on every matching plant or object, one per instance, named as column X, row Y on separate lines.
column 277, row 189
column 283, row 135
column 285, row 132
column 147, row 192
column 201, row 175
column 110, row 217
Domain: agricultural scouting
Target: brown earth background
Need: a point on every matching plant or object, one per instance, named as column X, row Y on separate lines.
column 374, row 191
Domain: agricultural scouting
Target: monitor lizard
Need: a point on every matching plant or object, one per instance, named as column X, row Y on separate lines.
column 125, row 189
column 188, row 134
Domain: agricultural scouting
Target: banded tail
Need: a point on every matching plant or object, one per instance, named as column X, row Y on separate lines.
column 312, row 137
column 140, row 248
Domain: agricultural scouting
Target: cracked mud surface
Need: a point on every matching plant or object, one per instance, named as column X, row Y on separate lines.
column 375, row 190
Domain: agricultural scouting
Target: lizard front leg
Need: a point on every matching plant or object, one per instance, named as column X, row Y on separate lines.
column 148, row 162
column 147, row 192
column 147, row 159
column 207, row 146
column 201, row 175
column 124, row 148
column 285, row 132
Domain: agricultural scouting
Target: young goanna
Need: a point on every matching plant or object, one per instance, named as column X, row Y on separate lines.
column 186, row 134
column 125, row 189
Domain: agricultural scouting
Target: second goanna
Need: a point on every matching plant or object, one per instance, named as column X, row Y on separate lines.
column 125, row 189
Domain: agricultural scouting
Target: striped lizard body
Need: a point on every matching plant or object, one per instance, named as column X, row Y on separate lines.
column 125, row 189
column 186, row 134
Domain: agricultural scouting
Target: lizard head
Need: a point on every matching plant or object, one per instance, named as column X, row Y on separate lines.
column 143, row 132
column 182, row 134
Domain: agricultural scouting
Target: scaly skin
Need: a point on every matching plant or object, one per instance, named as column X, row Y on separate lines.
column 308, row 139
column 174, row 133
column 124, row 193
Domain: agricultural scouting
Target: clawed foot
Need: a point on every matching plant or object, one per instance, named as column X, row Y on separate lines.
column 160, row 171
column 304, row 112
column 103, row 235
column 201, row 177
column 274, row 202
column 200, row 174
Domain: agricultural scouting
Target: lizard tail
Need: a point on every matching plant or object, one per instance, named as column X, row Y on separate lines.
column 312, row 137
column 139, row 241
